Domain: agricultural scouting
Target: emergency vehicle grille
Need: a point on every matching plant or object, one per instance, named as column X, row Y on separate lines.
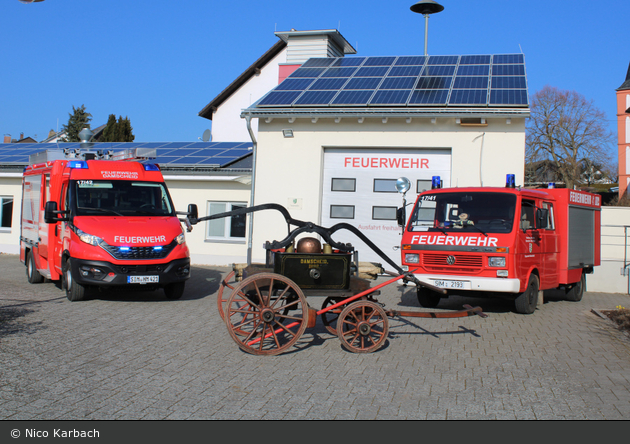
column 132, row 253
column 462, row 263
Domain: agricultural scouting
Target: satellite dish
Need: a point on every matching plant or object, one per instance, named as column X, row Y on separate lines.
column 207, row 136
column 402, row 185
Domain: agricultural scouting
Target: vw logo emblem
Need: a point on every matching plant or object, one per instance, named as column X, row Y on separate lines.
column 450, row 260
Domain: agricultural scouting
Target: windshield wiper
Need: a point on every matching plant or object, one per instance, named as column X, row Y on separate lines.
column 105, row 210
column 477, row 228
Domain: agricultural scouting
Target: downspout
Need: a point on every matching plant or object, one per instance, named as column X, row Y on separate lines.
column 250, row 233
column 483, row 139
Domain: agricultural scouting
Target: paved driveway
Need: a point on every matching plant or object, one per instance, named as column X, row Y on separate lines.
column 140, row 356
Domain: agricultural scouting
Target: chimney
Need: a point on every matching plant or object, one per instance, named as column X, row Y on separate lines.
column 7, row 138
column 21, row 136
column 303, row 45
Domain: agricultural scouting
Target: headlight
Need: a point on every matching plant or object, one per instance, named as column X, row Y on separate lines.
column 412, row 258
column 88, row 238
column 180, row 239
column 496, row 261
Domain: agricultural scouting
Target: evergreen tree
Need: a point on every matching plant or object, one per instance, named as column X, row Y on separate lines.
column 117, row 131
column 78, row 120
column 108, row 131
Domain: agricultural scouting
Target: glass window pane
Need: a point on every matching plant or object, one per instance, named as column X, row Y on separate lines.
column 216, row 227
column 385, row 186
column 237, row 223
column 423, row 185
column 342, row 211
column 344, row 185
column 384, row 213
column 7, row 211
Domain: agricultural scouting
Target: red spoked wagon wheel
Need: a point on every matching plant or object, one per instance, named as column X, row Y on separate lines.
column 266, row 314
column 362, row 327
column 329, row 318
column 227, row 286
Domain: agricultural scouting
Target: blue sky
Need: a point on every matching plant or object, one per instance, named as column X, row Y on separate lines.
column 160, row 62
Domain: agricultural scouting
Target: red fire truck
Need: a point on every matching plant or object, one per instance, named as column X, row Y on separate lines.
column 512, row 242
column 95, row 219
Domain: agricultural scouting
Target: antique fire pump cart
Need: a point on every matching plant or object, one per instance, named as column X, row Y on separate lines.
column 266, row 309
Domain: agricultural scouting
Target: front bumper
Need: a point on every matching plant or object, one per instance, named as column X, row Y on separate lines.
column 102, row 273
column 471, row 283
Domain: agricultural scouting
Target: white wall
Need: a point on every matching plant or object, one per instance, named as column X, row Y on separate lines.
column 11, row 185
column 607, row 277
column 291, row 168
column 199, row 192
column 227, row 125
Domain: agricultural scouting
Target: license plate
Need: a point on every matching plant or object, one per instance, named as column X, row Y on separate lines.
column 462, row 285
column 143, row 279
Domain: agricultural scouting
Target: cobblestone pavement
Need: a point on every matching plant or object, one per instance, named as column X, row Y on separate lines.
column 140, row 356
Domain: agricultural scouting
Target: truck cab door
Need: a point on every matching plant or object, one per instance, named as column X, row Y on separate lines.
column 529, row 242
column 550, row 250
column 60, row 230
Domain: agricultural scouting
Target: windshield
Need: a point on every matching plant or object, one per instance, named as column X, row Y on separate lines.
column 122, row 198
column 458, row 212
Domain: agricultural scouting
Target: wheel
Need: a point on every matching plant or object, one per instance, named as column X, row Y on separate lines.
column 329, row 318
column 34, row 277
column 362, row 327
column 175, row 290
column 266, row 314
column 525, row 303
column 222, row 297
column 576, row 291
column 427, row 298
column 74, row 290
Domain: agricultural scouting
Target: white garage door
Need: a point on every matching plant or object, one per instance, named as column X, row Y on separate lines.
column 359, row 189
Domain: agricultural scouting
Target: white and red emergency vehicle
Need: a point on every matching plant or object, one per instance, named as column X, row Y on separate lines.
column 512, row 242
column 94, row 219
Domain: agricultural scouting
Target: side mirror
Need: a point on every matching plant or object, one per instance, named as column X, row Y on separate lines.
column 542, row 215
column 193, row 213
column 401, row 217
column 50, row 212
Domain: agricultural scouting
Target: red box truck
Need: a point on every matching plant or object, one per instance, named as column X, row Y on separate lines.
column 94, row 219
column 511, row 242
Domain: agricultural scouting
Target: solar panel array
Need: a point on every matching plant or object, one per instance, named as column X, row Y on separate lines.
column 405, row 81
column 199, row 154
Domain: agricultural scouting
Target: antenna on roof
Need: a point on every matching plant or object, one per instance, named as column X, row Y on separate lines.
column 207, row 136
column 426, row 8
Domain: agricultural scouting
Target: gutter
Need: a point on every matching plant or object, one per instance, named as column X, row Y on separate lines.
column 250, row 233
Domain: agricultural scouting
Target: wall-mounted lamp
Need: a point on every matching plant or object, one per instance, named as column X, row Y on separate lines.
column 287, row 132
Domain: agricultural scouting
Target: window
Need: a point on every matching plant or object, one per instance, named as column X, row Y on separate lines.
column 550, row 218
column 348, row 185
column 226, row 228
column 423, row 185
column 342, row 211
column 385, row 186
column 383, row 213
column 6, row 211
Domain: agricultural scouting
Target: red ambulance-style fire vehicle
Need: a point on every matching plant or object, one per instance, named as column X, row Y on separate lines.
column 94, row 219
column 511, row 242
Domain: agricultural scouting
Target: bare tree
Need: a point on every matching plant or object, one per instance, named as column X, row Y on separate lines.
column 567, row 131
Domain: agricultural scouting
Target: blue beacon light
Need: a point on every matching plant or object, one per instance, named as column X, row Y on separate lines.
column 436, row 182
column 510, row 181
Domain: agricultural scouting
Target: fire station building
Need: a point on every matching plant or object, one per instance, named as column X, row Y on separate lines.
column 335, row 131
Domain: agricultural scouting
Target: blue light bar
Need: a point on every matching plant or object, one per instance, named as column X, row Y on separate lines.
column 124, row 248
column 78, row 164
column 151, row 167
column 157, row 248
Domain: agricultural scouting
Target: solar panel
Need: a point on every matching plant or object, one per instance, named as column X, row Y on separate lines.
column 406, row 81
column 168, row 153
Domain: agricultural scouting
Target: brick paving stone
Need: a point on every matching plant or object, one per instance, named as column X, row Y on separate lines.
column 138, row 356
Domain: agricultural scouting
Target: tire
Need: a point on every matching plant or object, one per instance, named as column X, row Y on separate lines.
column 427, row 298
column 74, row 291
column 576, row 291
column 174, row 291
column 34, row 277
column 525, row 303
